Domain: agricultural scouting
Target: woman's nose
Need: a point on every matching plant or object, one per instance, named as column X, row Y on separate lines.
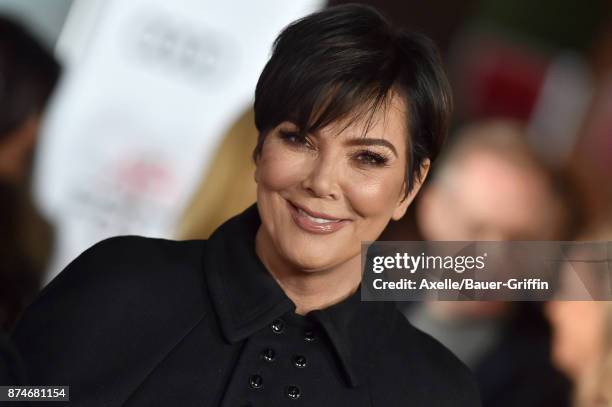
column 322, row 177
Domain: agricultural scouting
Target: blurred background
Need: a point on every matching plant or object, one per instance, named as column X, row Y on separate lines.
column 135, row 118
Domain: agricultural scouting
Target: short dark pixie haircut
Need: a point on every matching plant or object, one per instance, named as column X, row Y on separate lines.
column 346, row 61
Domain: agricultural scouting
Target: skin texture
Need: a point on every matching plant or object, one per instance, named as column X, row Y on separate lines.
column 328, row 173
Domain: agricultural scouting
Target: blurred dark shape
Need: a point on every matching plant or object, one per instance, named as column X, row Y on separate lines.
column 438, row 19
column 592, row 159
column 567, row 24
column 501, row 57
column 12, row 371
column 496, row 78
column 600, row 53
column 491, row 186
column 28, row 74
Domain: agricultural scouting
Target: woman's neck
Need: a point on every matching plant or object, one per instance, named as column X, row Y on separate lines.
column 309, row 290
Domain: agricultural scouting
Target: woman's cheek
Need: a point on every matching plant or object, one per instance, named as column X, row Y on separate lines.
column 280, row 171
column 371, row 197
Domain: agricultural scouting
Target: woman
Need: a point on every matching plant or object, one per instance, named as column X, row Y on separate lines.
column 267, row 311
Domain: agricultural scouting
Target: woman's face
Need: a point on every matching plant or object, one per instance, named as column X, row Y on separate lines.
column 321, row 196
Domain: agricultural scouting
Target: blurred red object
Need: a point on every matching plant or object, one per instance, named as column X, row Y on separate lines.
column 496, row 78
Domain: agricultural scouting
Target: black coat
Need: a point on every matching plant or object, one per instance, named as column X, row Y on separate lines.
column 148, row 322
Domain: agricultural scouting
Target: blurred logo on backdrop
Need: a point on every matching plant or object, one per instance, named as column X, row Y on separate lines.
column 183, row 49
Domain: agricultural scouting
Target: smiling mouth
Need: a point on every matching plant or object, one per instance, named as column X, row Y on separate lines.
column 314, row 224
column 317, row 220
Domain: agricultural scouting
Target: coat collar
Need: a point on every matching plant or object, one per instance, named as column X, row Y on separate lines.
column 246, row 298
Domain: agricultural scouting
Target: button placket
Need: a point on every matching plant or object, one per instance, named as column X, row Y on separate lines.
column 285, row 346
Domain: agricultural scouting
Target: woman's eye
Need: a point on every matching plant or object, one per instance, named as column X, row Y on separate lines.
column 290, row 136
column 372, row 158
column 293, row 137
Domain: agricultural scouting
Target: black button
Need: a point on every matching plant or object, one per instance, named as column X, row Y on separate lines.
column 256, row 381
column 293, row 392
column 309, row 336
column 300, row 361
column 268, row 355
column 278, row 326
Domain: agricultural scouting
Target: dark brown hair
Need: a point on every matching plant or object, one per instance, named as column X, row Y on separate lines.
column 344, row 62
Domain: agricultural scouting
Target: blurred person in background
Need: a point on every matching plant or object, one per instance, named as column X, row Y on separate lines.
column 582, row 335
column 491, row 187
column 28, row 75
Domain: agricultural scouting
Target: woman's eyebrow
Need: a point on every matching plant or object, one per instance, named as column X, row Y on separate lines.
column 362, row 141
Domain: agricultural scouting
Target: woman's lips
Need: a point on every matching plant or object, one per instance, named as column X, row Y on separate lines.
column 307, row 223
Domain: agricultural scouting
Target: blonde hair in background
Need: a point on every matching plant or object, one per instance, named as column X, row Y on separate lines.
column 228, row 186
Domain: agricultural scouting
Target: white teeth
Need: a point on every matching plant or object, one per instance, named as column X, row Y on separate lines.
column 317, row 220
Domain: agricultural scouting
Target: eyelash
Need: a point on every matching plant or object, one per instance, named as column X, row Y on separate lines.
column 372, row 158
column 294, row 138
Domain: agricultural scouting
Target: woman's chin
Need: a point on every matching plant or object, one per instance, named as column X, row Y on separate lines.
column 310, row 264
column 314, row 260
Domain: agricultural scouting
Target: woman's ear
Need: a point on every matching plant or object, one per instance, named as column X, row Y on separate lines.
column 405, row 201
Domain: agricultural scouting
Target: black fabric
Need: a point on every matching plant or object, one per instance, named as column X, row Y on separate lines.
column 11, row 368
column 507, row 373
column 148, row 322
